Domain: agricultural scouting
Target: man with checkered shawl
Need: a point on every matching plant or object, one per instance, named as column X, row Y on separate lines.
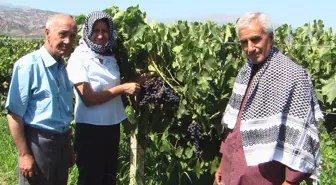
column 271, row 119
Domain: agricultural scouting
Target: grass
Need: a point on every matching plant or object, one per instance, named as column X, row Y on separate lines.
column 8, row 158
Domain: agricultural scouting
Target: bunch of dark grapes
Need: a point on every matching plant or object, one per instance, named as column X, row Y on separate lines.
column 196, row 136
column 154, row 91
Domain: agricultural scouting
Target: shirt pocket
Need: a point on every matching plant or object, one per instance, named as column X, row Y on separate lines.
column 41, row 94
column 41, row 101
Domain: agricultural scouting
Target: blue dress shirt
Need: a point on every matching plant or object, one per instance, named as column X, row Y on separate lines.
column 40, row 92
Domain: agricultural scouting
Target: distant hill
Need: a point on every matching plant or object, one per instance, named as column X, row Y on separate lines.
column 22, row 21
column 19, row 21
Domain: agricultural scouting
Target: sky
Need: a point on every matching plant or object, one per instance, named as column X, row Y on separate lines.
column 293, row 12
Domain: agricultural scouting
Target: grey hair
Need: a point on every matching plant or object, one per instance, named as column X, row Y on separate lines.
column 246, row 19
column 51, row 20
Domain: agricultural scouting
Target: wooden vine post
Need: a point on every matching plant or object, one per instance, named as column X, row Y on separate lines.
column 137, row 162
column 137, row 167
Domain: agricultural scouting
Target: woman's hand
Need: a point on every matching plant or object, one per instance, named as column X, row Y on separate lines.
column 131, row 88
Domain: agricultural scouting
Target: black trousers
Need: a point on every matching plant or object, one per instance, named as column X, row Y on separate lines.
column 96, row 149
column 52, row 157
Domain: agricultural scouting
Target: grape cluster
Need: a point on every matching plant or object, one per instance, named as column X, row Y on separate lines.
column 156, row 92
column 196, row 136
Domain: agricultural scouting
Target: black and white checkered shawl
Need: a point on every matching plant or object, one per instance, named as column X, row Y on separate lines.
column 279, row 119
column 87, row 32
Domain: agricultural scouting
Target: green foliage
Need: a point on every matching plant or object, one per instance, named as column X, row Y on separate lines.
column 328, row 153
column 10, row 51
column 200, row 62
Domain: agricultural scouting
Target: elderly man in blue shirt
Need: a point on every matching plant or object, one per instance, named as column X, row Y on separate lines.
column 39, row 105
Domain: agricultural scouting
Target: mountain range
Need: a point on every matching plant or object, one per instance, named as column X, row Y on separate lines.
column 20, row 21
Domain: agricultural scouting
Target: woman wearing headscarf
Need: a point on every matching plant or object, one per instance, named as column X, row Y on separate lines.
column 93, row 70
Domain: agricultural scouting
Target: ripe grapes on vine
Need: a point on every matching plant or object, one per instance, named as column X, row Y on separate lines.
column 155, row 91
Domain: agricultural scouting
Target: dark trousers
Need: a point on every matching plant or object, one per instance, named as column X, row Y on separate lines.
column 51, row 154
column 96, row 150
